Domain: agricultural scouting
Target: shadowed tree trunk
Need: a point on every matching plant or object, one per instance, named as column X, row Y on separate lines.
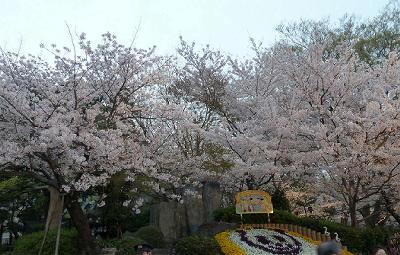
column 81, row 223
column 55, row 210
column 389, row 207
column 353, row 214
column 372, row 217
column 1, row 234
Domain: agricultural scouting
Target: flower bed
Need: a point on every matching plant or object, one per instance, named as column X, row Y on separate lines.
column 266, row 242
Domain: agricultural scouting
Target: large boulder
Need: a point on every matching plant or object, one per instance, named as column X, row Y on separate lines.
column 212, row 199
column 177, row 220
column 170, row 218
column 195, row 212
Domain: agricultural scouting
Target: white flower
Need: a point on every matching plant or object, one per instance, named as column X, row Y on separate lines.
column 126, row 203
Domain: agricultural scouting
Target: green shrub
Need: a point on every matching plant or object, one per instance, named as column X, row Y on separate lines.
column 197, row 245
column 280, row 201
column 125, row 246
column 30, row 243
column 151, row 235
column 227, row 214
column 374, row 237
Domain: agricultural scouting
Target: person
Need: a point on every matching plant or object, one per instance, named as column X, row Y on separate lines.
column 328, row 248
column 143, row 249
column 380, row 251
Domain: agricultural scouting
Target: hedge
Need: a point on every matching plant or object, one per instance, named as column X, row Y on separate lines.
column 151, row 235
column 30, row 243
column 197, row 245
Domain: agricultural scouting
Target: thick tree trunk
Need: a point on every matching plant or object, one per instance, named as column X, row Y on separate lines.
column 55, row 210
column 1, row 234
column 81, row 223
column 389, row 207
column 353, row 215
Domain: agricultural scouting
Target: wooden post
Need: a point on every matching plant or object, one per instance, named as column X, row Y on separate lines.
column 313, row 235
column 309, row 233
column 319, row 236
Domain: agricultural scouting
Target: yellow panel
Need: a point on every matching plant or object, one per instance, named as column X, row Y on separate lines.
column 253, row 201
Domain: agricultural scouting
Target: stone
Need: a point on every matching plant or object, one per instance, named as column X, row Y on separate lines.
column 177, row 220
column 212, row 199
column 195, row 213
column 109, row 251
column 170, row 218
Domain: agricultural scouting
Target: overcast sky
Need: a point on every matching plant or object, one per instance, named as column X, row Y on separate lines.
column 224, row 24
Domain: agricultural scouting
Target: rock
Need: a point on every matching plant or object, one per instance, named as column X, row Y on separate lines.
column 210, row 229
column 170, row 218
column 194, row 212
column 177, row 220
column 212, row 199
column 109, row 251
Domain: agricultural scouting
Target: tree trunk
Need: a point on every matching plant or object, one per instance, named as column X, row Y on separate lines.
column 389, row 207
column 56, row 209
column 353, row 215
column 1, row 234
column 81, row 223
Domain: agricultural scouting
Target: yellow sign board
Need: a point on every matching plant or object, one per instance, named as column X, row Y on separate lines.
column 253, row 201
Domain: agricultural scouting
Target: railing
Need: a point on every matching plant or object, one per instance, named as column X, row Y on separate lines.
column 309, row 233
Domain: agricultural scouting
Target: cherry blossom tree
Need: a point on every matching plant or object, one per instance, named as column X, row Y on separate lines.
column 92, row 113
column 256, row 127
column 330, row 120
column 351, row 117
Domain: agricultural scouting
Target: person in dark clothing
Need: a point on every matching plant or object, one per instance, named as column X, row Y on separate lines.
column 328, row 248
column 143, row 249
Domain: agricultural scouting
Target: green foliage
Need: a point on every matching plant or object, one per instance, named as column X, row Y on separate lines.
column 19, row 197
column 151, row 235
column 197, row 245
column 226, row 214
column 115, row 216
column 374, row 237
column 125, row 246
column 30, row 243
column 373, row 39
column 280, row 201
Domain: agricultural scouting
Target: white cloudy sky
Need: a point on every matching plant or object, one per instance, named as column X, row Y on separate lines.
column 224, row 24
